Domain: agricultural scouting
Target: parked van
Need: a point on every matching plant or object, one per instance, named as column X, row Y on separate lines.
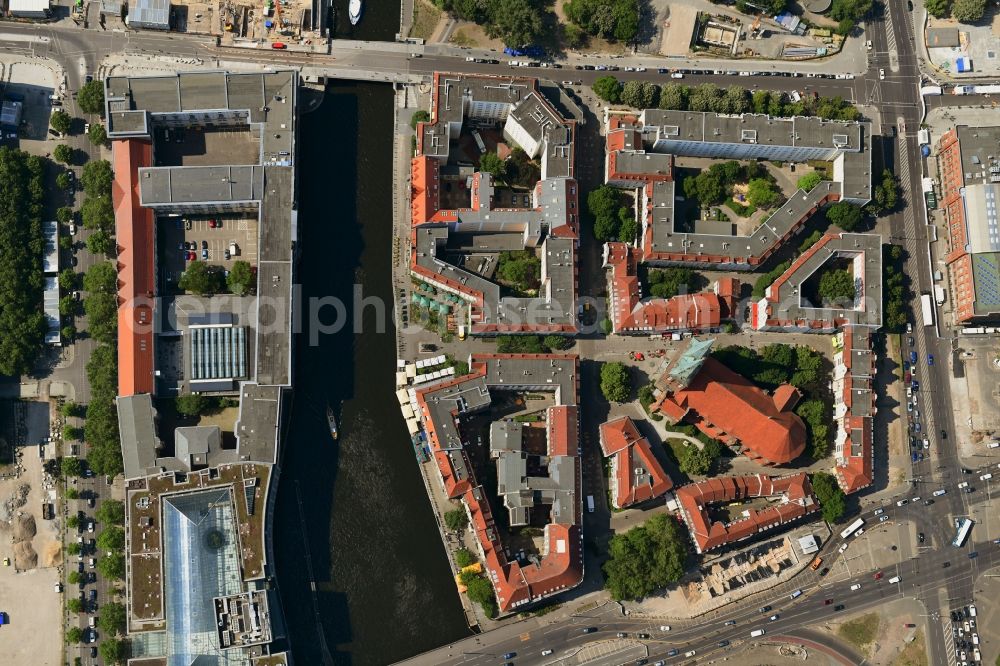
column 92, row 621
column 590, row 504
column 894, row 579
column 796, row 594
column 690, row 653
column 986, row 477
column 972, row 610
column 855, row 587
column 964, row 484
column 757, row 632
column 938, row 493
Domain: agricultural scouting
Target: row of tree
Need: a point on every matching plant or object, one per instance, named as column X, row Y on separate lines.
column 205, row 279
column 646, row 558
column 895, row 289
column 22, row 323
column 710, row 97
column 963, row 11
column 101, row 424
column 532, row 344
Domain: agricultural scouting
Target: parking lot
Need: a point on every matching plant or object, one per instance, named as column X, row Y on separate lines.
column 208, row 241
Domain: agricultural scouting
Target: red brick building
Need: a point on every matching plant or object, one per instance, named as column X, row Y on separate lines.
column 636, row 474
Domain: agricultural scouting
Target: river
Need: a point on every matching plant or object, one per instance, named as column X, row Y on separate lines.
column 384, row 586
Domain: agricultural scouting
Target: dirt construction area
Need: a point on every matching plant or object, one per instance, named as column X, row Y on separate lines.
column 33, row 634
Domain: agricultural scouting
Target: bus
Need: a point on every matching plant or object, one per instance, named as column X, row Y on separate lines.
column 927, row 309
column 852, row 528
column 963, row 532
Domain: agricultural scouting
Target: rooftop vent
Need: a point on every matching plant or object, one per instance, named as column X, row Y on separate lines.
column 671, row 130
column 840, row 140
column 748, row 135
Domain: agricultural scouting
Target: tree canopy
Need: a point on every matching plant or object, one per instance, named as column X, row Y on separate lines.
column 71, row 467
column 809, row 180
column 241, row 280
column 100, row 243
column 831, row 498
column 492, row 164
column 62, row 153
column 193, row 404
column 74, row 634
column 96, row 178
column 938, row 8
column 61, row 121
column 520, row 269
column 698, row 462
column 90, row 97
column 886, row 194
column 763, row 193
column 22, row 323
column 456, row 519
column 646, row 558
column 616, row 385
column 111, row 512
column 968, row 11
column 668, row 282
column 604, row 205
column 608, row 88
column 640, row 94
column 845, row 215
column 112, row 619
column 112, row 566
column 202, row 279
column 836, row 286
column 616, row 20
column 768, row 278
column 113, row 651
column 111, row 538
column 97, row 134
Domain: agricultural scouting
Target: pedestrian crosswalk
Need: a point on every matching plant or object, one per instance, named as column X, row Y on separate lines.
column 949, row 642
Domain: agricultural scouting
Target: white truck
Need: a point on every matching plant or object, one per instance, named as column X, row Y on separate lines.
column 927, row 308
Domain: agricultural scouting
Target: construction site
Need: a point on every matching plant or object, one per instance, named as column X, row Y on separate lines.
column 270, row 21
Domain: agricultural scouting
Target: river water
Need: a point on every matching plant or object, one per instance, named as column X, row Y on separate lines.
column 357, row 505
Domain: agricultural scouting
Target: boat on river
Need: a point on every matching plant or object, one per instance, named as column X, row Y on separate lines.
column 331, row 420
column 354, row 11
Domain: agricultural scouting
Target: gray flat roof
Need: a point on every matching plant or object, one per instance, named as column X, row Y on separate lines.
column 201, row 184
column 257, row 424
column 137, row 428
column 50, row 257
column 753, row 129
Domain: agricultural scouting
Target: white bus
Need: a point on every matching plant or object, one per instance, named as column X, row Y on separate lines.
column 963, row 532
column 927, row 309
column 852, row 528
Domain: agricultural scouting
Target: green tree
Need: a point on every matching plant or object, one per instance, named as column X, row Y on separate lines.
column 114, row 650
column 968, row 11
column 816, row 414
column 112, row 620
column 420, row 116
column 616, row 385
column 492, row 164
column 96, row 178
column 767, row 279
column 480, row 591
column 61, row 121
column 67, row 306
column 201, row 279
column 70, row 409
column 810, row 180
column 63, row 181
column 938, row 8
column 464, row 557
column 836, row 286
column 603, row 204
column 72, row 467
column 608, row 88
column 646, row 558
column 705, row 97
column 111, row 538
column 72, row 548
column 112, row 566
column 90, row 97
column 97, row 213
column 520, row 269
column 101, row 278
column 759, row 101
column 628, row 227
column 673, row 96
column 100, row 243
column 111, row 512
column 74, row 577
column 845, row 215
column 62, row 153
column 72, row 494
column 97, row 134
column 74, row 604
column 829, row 495
column 735, row 99
column 456, row 519
column 886, row 193
column 557, row 342
column 669, row 282
column 639, row 94
column 695, row 461
column 64, row 214
column 762, row 193
column 193, row 404
column 240, row 280
column 102, row 317
column 72, row 433
column 74, row 635
column 68, row 332
column 517, row 22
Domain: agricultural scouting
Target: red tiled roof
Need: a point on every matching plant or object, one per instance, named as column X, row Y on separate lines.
column 685, row 312
column 621, row 439
column 425, row 194
column 727, row 406
column 694, row 498
column 854, row 472
column 134, row 234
